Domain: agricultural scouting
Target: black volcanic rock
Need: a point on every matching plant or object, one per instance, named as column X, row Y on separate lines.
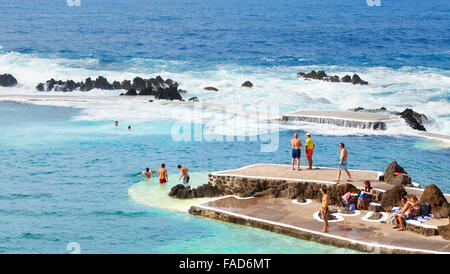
column 414, row 119
column 126, row 84
column 139, row 84
column 211, row 88
column 170, row 93
column 117, row 85
column 357, row 80
column 321, row 75
column 7, row 80
column 131, row 92
column 147, row 91
column 194, row 99
column 247, row 84
column 346, row 79
column 102, row 83
column 40, row 87
column 157, row 87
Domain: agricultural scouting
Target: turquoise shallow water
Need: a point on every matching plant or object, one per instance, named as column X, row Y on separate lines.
column 71, row 181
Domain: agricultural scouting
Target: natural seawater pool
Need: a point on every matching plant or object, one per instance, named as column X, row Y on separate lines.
column 65, row 180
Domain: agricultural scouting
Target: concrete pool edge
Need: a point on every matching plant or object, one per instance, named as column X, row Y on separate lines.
column 302, row 233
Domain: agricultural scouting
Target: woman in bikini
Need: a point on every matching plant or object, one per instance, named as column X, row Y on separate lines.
column 411, row 209
column 365, row 198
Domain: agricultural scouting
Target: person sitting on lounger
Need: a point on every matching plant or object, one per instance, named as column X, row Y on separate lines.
column 365, row 197
column 410, row 209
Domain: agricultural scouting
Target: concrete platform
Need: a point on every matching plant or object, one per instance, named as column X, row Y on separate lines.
column 283, row 215
column 364, row 120
column 323, row 175
column 295, row 219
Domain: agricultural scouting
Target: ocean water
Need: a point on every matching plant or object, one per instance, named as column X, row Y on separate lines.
column 67, row 175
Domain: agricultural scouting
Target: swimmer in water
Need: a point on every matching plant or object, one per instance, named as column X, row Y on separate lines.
column 184, row 173
column 163, row 178
column 116, row 123
column 129, row 128
column 148, row 173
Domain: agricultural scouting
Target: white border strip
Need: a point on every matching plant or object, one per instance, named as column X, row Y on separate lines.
column 374, row 245
column 417, row 223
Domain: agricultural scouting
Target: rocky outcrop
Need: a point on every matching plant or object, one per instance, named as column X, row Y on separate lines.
column 392, row 197
column 391, row 178
column 194, row 99
column 211, row 88
column 253, row 187
column 321, row 75
column 158, row 87
column 247, row 84
column 346, row 79
column 357, row 80
column 147, row 91
column 181, row 191
column 435, row 198
column 131, row 92
column 7, row 80
column 169, row 93
column 414, row 119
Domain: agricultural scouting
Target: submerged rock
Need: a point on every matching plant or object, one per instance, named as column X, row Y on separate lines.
column 321, row 75
column 185, row 192
column 194, row 99
column 7, row 80
column 211, row 88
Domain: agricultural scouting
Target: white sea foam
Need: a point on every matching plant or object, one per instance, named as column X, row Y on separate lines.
column 424, row 89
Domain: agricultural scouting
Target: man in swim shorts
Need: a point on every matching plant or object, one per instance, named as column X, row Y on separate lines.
column 324, row 210
column 116, row 123
column 184, row 174
column 148, row 173
column 296, row 153
column 163, row 178
column 343, row 163
column 309, row 149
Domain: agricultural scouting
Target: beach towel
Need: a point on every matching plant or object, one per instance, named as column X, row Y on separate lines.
column 422, row 218
column 393, row 211
column 419, row 218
